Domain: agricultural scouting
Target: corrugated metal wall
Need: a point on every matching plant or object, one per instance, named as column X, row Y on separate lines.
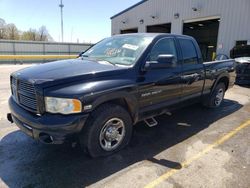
column 10, row 47
column 234, row 15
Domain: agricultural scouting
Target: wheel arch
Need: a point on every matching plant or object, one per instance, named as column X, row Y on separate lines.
column 223, row 78
column 123, row 99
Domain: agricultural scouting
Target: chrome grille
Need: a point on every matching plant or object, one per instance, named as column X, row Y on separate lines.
column 24, row 94
column 247, row 69
column 243, row 68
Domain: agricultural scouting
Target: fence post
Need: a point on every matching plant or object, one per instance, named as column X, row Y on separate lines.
column 44, row 51
column 14, row 51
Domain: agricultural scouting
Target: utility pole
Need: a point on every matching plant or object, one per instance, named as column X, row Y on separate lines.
column 61, row 6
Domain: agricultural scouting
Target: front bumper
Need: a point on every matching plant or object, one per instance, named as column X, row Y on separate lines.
column 48, row 128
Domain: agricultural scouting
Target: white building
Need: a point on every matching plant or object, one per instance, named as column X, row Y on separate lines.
column 217, row 25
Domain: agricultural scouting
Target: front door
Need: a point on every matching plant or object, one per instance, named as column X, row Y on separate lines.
column 160, row 87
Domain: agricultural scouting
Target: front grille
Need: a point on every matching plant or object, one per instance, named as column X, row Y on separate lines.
column 243, row 69
column 24, row 94
column 247, row 71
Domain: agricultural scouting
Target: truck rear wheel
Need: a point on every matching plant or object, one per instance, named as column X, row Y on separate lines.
column 108, row 130
column 217, row 96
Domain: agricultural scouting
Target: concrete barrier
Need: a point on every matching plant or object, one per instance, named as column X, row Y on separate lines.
column 35, row 57
column 21, row 52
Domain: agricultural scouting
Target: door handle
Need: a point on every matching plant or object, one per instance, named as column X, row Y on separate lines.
column 189, row 76
column 189, row 79
column 196, row 76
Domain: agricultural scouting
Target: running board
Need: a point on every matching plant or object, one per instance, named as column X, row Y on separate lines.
column 151, row 122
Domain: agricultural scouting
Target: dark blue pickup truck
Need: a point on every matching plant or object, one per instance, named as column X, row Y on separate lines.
column 95, row 99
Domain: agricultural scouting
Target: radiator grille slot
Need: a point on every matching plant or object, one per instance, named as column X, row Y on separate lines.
column 24, row 94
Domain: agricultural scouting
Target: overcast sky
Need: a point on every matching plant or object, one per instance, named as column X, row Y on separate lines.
column 87, row 21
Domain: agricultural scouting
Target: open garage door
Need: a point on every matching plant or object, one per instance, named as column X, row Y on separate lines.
column 133, row 30
column 206, row 34
column 161, row 28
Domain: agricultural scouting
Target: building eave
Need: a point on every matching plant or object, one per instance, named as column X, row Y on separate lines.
column 133, row 6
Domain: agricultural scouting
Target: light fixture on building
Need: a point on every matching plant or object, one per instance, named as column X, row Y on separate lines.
column 124, row 21
column 211, row 46
column 191, row 27
column 201, row 25
column 176, row 15
column 197, row 8
column 141, row 21
column 154, row 16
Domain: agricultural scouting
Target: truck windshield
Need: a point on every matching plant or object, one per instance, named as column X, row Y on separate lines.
column 119, row 50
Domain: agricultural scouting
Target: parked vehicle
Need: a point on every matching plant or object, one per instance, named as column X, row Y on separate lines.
column 242, row 58
column 97, row 98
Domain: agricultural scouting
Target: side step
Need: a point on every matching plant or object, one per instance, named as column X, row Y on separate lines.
column 151, row 122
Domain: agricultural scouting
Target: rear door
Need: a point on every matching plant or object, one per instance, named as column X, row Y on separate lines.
column 193, row 74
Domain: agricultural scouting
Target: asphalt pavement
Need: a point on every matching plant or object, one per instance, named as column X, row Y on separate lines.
column 194, row 147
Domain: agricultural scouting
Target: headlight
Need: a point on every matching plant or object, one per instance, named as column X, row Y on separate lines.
column 63, row 106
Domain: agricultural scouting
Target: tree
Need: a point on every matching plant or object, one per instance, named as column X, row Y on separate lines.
column 2, row 29
column 30, row 35
column 2, row 22
column 43, row 33
column 12, row 32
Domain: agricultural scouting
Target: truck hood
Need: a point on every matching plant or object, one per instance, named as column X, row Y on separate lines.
column 66, row 69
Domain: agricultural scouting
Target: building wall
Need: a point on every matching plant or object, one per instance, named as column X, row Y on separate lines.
column 234, row 15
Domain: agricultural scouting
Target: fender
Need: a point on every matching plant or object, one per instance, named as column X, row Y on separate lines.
column 219, row 77
column 127, row 96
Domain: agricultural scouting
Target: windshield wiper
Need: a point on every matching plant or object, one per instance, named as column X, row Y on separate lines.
column 84, row 55
column 107, row 62
column 98, row 60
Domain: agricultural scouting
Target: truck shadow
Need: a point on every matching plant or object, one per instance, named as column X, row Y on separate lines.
column 27, row 163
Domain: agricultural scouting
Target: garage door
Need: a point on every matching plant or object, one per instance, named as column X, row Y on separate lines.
column 160, row 28
column 206, row 34
column 133, row 30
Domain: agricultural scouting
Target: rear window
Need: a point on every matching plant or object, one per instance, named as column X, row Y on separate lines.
column 188, row 51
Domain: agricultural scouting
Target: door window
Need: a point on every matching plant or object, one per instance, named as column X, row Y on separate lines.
column 163, row 46
column 188, row 51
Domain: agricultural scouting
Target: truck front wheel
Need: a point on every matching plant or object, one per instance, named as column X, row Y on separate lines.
column 108, row 130
column 216, row 97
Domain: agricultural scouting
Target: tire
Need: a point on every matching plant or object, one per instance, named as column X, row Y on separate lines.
column 216, row 97
column 107, row 130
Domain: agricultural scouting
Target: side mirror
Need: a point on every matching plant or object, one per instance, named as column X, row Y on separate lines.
column 163, row 61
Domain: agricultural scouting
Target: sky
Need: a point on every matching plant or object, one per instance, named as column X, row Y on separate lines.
column 84, row 21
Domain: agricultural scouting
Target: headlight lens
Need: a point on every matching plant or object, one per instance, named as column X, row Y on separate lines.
column 63, row 106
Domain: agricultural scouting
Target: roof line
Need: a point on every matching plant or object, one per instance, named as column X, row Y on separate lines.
column 129, row 8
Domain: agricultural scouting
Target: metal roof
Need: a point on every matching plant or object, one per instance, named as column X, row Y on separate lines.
column 133, row 6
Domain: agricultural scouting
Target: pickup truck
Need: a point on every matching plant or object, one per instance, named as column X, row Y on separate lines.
column 95, row 99
column 242, row 59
